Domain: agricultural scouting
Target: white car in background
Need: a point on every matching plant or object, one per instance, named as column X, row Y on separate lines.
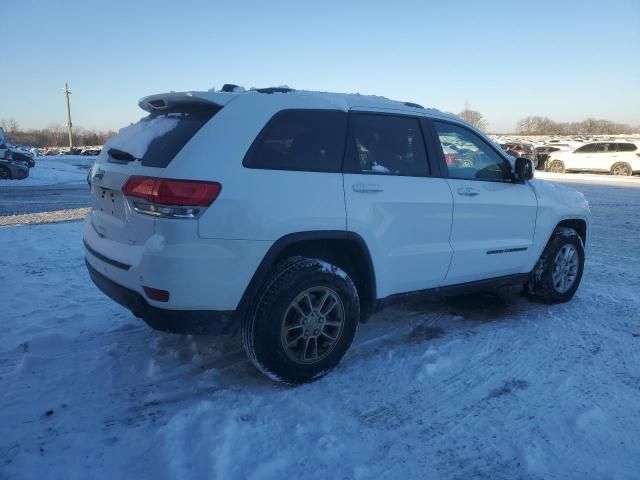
column 617, row 158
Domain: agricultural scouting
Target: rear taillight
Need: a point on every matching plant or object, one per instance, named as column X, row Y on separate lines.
column 170, row 198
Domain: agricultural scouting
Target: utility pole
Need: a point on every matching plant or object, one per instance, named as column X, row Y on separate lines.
column 66, row 94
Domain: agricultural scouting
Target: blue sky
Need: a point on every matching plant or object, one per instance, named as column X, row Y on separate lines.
column 566, row 60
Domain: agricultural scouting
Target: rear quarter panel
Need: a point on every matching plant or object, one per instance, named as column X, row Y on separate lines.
column 257, row 204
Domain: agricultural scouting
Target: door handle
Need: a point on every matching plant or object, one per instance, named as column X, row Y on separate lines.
column 367, row 188
column 468, row 191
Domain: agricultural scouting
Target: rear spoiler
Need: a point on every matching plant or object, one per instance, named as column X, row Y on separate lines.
column 164, row 101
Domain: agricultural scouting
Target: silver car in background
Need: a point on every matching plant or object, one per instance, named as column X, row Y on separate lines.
column 10, row 167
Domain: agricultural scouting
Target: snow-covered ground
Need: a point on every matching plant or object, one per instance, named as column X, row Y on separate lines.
column 475, row 387
column 53, row 170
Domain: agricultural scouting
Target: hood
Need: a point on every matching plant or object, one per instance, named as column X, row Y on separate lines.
column 558, row 194
column 560, row 153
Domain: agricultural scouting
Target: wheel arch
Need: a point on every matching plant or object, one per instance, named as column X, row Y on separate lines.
column 346, row 250
column 578, row 224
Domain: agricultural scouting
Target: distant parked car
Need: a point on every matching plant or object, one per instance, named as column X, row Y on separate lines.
column 69, row 151
column 542, row 153
column 50, row 153
column 23, row 156
column 521, row 149
column 94, row 152
column 617, row 158
column 9, row 166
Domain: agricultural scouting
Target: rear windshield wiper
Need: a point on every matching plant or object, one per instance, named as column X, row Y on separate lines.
column 120, row 155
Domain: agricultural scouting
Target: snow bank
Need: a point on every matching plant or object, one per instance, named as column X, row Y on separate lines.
column 136, row 138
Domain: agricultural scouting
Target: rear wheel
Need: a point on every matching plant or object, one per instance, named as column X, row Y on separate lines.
column 4, row 173
column 556, row 166
column 558, row 272
column 303, row 321
column 621, row 169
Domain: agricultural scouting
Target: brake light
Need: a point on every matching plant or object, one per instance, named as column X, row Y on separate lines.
column 170, row 198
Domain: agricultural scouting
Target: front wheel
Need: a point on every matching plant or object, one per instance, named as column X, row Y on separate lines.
column 303, row 321
column 621, row 169
column 557, row 274
column 4, row 173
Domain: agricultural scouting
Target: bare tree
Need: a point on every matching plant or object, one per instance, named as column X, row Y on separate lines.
column 473, row 117
column 590, row 126
column 9, row 125
column 54, row 135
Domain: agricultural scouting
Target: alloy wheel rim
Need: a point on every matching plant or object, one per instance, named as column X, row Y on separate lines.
column 556, row 167
column 565, row 268
column 621, row 170
column 312, row 325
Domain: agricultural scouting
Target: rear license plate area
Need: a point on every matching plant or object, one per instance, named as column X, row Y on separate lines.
column 110, row 202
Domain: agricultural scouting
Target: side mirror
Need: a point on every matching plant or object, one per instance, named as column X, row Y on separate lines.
column 523, row 169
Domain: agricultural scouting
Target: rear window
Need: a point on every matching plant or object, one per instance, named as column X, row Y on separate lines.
column 627, row 147
column 183, row 121
column 191, row 118
column 306, row 140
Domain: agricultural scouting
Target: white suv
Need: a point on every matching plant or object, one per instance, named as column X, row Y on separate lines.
column 292, row 216
column 617, row 158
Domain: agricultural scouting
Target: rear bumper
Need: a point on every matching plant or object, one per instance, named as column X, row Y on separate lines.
column 194, row 322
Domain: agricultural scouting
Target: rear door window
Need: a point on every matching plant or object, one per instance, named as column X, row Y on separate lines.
column 606, row 147
column 306, row 140
column 385, row 144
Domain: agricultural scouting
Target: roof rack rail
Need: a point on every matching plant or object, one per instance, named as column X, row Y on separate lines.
column 414, row 105
column 274, row 90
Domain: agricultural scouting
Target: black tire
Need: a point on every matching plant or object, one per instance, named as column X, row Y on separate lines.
column 261, row 328
column 621, row 168
column 556, row 166
column 4, row 173
column 541, row 286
